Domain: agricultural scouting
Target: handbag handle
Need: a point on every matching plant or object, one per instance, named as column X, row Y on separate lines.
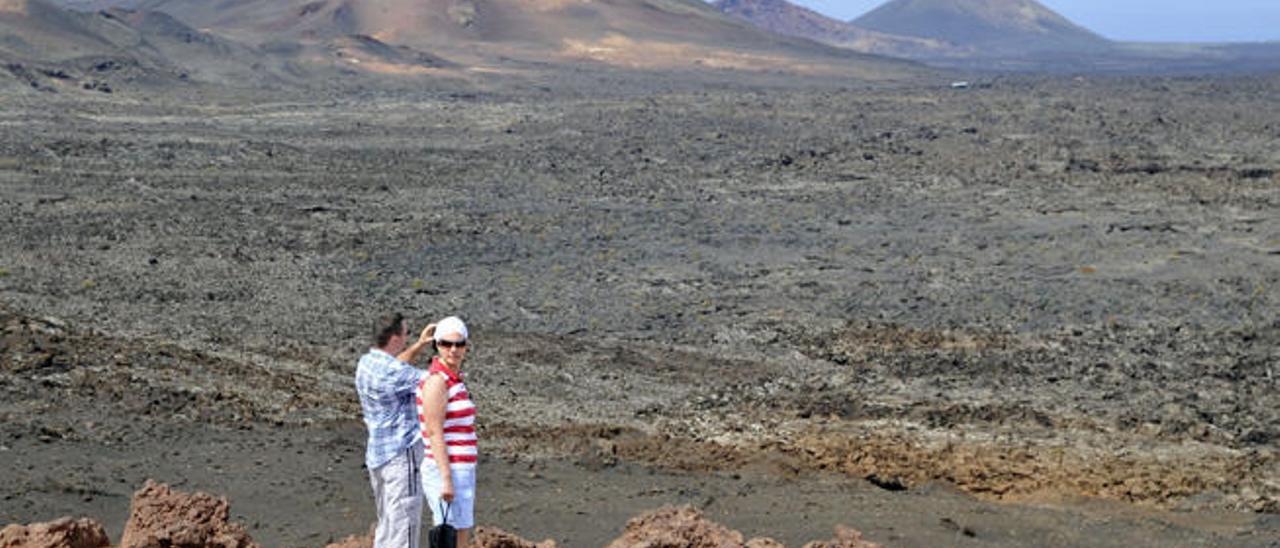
column 447, row 505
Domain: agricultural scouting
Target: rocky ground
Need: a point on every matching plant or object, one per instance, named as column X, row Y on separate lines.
column 1056, row 296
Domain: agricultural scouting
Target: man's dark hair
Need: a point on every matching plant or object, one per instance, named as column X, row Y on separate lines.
column 386, row 327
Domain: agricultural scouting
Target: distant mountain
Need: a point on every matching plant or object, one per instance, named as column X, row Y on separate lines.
column 992, row 28
column 783, row 17
column 357, row 43
column 37, row 29
column 49, row 48
column 1000, row 35
column 645, row 34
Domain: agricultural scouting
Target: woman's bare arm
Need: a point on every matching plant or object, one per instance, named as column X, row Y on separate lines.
column 433, row 407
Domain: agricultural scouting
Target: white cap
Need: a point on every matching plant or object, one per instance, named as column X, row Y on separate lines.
column 452, row 324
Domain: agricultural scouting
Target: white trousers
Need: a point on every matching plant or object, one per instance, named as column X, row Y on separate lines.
column 397, row 492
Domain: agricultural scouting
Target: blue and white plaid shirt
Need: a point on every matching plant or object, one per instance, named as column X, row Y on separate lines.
column 386, row 386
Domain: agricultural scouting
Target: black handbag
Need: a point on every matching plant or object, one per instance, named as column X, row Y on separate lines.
column 443, row 535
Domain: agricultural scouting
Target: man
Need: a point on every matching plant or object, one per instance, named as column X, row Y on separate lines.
column 386, row 380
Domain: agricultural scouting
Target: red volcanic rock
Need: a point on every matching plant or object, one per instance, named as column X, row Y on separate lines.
column 59, row 533
column 356, row 541
column 353, row 541
column 492, row 537
column 682, row 527
column 845, row 538
column 162, row 518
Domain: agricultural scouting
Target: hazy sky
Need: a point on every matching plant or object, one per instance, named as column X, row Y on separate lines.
column 1136, row 20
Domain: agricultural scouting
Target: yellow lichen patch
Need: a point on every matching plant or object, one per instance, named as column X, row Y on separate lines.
column 1002, row 472
column 553, row 5
column 380, row 67
column 368, row 64
column 620, row 50
column 860, row 340
column 494, row 70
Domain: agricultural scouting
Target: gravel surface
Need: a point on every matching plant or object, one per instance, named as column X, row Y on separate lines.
column 1033, row 290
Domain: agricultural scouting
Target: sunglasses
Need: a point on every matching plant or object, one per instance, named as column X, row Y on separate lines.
column 451, row 344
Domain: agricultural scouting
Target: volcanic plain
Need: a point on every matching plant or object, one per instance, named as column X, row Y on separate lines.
column 1032, row 311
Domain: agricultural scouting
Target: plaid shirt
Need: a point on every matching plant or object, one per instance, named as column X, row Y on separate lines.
column 386, row 386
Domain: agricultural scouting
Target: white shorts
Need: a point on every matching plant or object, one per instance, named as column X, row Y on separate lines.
column 462, row 509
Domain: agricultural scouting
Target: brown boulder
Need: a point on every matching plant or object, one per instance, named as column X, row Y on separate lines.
column 682, row 527
column 845, row 538
column 355, row 541
column 492, row 537
column 162, row 518
column 59, row 533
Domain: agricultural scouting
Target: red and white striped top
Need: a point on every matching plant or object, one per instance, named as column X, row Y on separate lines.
column 459, row 418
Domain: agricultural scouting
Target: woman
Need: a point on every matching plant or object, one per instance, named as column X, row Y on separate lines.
column 447, row 418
